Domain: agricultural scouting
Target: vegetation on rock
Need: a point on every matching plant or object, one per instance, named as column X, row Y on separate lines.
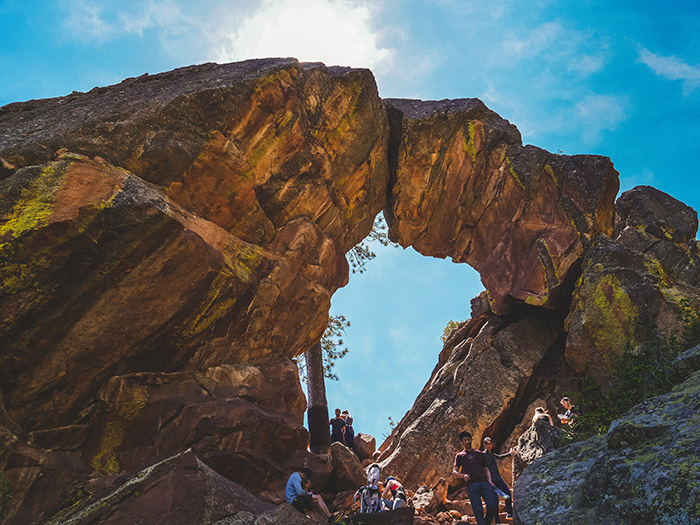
column 639, row 373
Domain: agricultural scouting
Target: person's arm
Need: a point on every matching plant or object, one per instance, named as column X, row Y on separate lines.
column 386, row 491
column 297, row 487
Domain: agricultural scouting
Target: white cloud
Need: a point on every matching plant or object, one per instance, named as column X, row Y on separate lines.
column 645, row 177
column 534, row 43
column 86, row 21
column 101, row 21
column 600, row 112
column 672, row 68
column 586, row 64
column 336, row 32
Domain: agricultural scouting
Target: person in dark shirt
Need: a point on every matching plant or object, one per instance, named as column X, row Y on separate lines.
column 568, row 417
column 496, row 478
column 337, row 427
column 471, row 466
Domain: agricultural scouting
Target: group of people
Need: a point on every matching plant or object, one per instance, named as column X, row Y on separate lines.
column 341, row 429
column 566, row 418
column 478, row 468
column 480, row 471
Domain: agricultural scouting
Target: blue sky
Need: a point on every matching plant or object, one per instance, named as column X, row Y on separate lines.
column 620, row 79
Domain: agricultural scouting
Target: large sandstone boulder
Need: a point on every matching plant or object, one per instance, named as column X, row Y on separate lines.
column 249, row 145
column 244, row 422
column 464, row 187
column 476, row 389
column 637, row 286
column 365, row 445
column 201, row 224
column 348, row 473
column 643, row 471
column 178, row 490
column 97, row 262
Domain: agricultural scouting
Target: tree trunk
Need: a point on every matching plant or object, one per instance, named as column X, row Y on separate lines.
column 317, row 414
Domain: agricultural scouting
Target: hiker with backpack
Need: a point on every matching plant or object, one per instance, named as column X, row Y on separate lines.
column 368, row 495
column 398, row 494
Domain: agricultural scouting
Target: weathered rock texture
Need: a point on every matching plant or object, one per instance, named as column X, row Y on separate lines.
column 200, row 222
column 466, row 188
column 178, row 490
column 169, row 243
column 645, row 470
column 480, row 386
column 538, row 440
column 643, row 283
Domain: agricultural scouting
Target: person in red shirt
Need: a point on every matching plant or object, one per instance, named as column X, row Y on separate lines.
column 471, row 466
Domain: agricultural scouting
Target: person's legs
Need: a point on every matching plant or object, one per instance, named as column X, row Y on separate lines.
column 491, row 500
column 321, row 505
column 350, row 439
column 504, row 487
column 303, row 503
column 474, row 491
column 398, row 503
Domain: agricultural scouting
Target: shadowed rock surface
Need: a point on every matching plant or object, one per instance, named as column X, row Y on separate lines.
column 645, row 470
column 178, row 490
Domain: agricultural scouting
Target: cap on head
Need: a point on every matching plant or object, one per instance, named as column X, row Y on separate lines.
column 388, row 479
column 307, row 472
column 486, row 439
column 345, row 412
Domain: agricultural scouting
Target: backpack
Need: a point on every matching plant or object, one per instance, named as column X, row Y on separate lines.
column 373, row 474
column 369, row 498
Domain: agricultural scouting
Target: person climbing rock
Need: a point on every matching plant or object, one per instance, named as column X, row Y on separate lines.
column 540, row 413
column 471, row 466
column 496, row 477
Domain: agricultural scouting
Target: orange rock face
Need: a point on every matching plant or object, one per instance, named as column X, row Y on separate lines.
column 465, row 187
column 169, row 243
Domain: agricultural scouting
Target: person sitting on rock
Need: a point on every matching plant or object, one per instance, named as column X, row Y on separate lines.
column 349, row 431
column 299, row 498
column 496, row 478
column 471, row 466
column 398, row 494
column 540, row 413
column 568, row 417
column 337, row 427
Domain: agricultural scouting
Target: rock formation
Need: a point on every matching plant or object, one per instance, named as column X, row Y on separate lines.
column 169, row 243
column 644, row 282
column 466, row 188
column 644, row 470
